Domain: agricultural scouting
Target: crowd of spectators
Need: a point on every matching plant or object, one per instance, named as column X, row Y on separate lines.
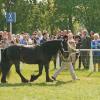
column 83, row 40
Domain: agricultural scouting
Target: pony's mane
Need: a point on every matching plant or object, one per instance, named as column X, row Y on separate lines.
column 50, row 42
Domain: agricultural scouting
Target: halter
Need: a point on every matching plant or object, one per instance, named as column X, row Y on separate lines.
column 62, row 47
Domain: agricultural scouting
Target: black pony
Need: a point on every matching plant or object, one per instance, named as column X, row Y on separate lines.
column 40, row 55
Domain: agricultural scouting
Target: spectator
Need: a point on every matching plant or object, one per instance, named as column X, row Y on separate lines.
column 78, row 43
column 28, row 39
column 85, row 44
column 22, row 39
column 1, row 39
column 95, row 44
column 92, row 35
column 7, row 38
column 17, row 39
column 44, row 39
column 39, row 37
column 33, row 38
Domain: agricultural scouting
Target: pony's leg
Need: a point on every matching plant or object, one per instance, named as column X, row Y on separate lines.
column 17, row 66
column 34, row 77
column 5, row 70
column 47, row 73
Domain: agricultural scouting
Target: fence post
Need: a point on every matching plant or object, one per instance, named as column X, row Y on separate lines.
column 91, row 67
column 58, row 61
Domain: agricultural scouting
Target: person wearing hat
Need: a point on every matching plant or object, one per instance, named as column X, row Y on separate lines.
column 85, row 44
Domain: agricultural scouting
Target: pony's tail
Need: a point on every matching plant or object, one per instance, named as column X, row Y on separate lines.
column 4, row 61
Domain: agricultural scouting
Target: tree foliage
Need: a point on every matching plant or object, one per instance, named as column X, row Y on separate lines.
column 51, row 14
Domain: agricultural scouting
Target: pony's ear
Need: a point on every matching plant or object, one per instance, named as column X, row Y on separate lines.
column 65, row 37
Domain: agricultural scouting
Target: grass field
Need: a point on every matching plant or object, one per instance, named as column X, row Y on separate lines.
column 87, row 88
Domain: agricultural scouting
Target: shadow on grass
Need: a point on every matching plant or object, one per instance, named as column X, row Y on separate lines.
column 89, row 74
column 43, row 84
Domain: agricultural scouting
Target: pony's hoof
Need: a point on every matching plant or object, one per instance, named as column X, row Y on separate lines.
column 3, row 81
column 25, row 81
column 32, row 78
column 49, row 80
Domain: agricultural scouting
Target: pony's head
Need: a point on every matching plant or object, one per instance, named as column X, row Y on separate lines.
column 52, row 47
column 64, row 48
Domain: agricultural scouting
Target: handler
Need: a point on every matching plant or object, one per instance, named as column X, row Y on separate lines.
column 70, row 61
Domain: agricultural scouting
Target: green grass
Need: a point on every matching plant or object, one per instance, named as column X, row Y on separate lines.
column 87, row 88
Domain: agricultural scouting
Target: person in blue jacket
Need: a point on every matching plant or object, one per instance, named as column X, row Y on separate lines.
column 95, row 44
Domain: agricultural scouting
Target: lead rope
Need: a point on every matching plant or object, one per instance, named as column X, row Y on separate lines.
column 63, row 48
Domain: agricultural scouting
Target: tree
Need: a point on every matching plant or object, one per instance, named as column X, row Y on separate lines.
column 88, row 14
column 65, row 13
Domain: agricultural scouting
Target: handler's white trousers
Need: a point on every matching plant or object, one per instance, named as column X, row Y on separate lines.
column 63, row 66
